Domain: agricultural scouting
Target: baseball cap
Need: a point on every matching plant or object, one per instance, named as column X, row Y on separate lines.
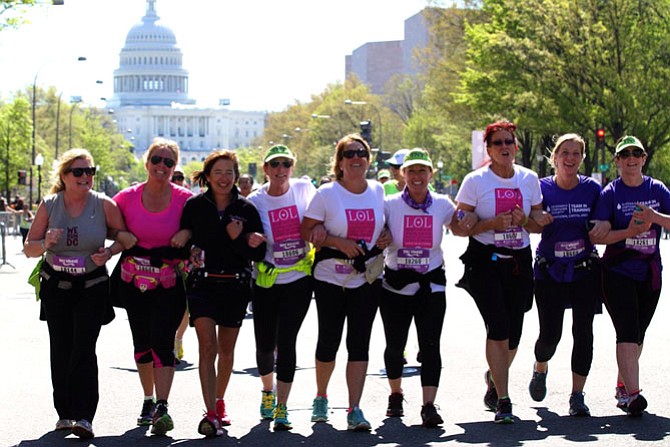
column 628, row 141
column 383, row 173
column 277, row 151
column 417, row 157
column 398, row 157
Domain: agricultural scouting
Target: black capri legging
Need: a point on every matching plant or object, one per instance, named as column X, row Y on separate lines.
column 551, row 298
column 154, row 316
column 503, row 291
column 428, row 312
column 631, row 305
column 278, row 315
column 335, row 304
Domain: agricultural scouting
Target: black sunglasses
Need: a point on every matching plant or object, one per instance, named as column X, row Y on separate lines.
column 360, row 153
column 168, row 162
column 177, row 178
column 637, row 153
column 275, row 164
column 501, row 142
column 78, row 172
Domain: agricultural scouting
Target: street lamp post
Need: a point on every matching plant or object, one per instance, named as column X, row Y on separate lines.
column 74, row 100
column 39, row 161
column 349, row 102
column 438, row 181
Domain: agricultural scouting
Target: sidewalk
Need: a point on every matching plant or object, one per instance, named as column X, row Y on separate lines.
column 28, row 415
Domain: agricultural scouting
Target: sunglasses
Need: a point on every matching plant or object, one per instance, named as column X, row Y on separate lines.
column 78, row 172
column 498, row 143
column 168, row 162
column 275, row 164
column 360, row 153
column 178, row 178
column 637, row 153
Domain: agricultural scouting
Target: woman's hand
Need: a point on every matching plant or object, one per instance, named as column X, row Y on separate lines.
column 53, row 236
column 255, row 239
column 519, row 218
column 637, row 226
column 502, row 221
column 180, row 238
column 197, row 257
column 318, row 235
column 541, row 217
column 234, row 228
column 600, row 229
column 644, row 213
column 384, row 239
column 103, row 255
column 126, row 238
column 467, row 220
column 349, row 247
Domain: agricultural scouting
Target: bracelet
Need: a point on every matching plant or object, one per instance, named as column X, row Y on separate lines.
column 525, row 221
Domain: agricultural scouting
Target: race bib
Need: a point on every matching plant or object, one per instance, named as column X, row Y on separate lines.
column 288, row 252
column 74, row 265
column 417, row 259
column 569, row 249
column 360, row 224
column 510, row 238
column 343, row 269
column 643, row 242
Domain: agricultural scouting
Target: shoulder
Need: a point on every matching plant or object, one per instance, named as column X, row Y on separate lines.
column 590, row 183
column 525, row 173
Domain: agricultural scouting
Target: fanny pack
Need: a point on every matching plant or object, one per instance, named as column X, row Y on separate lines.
column 146, row 276
column 199, row 277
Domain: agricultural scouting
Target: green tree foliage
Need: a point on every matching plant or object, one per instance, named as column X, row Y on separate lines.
column 12, row 12
column 556, row 66
column 15, row 137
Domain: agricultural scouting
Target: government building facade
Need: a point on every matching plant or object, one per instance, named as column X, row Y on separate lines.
column 151, row 98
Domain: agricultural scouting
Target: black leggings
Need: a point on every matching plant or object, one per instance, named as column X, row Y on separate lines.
column 551, row 298
column 278, row 314
column 154, row 317
column 336, row 304
column 631, row 305
column 74, row 318
column 428, row 312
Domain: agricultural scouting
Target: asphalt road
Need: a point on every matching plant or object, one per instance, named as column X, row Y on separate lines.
column 27, row 416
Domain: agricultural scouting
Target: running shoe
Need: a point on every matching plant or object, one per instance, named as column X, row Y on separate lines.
column 622, row 398
column 636, row 405
column 430, row 417
column 147, row 413
column 395, row 409
column 221, row 412
column 356, row 420
column 268, row 400
column 280, row 415
column 577, row 406
column 83, row 429
column 320, row 409
column 210, row 426
column 538, row 386
column 504, row 412
column 162, row 422
column 491, row 396
column 178, row 349
column 64, row 424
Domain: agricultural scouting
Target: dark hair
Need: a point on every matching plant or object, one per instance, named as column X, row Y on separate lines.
column 341, row 146
column 497, row 126
column 200, row 177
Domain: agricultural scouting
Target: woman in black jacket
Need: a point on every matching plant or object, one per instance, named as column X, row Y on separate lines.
column 226, row 235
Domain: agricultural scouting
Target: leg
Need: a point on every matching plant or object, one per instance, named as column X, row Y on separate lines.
column 227, row 339
column 429, row 321
column 396, row 312
column 205, row 330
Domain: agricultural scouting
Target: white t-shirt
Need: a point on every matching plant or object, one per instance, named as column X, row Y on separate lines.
column 417, row 237
column 348, row 215
column 491, row 195
column 281, row 217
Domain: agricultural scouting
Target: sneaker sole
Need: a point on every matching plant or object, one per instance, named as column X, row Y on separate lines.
column 359, row 427
column 82, row 433
column 319, row 418
column 505, row 420
column 143, row 422
column 207, row 429
column 395, row 414
column 282, row 427
column 161, row 427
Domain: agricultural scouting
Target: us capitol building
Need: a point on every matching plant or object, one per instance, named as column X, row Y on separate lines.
column 151, row 98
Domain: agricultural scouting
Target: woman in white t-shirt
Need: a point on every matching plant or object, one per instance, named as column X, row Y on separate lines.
column 283, row 282
column 498, row 261
column 347, row 271
column 414, row 280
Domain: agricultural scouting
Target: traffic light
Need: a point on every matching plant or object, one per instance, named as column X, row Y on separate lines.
column 382, row 156
column 600, row 138
column 366, row 131
column 252, row 169
column 22, row 177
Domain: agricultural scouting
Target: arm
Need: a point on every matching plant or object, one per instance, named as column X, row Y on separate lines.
column 599, row 235
column 346, row 246
column 462, row 221
column 35, row 244
column 500, row 222
column 538, row 219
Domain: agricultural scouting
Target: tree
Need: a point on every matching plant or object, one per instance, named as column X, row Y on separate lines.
column 555, row 66
column 15, row 132
column 12, row 11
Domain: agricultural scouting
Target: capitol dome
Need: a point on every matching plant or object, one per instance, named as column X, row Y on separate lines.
column 150, row 66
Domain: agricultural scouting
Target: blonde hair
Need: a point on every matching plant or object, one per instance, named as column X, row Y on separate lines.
column 562, row 139
column 162, row 143
column 64, row 163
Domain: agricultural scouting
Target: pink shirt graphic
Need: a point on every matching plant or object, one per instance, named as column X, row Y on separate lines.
column 506, row 200
column 288, row 246
column 360, row 224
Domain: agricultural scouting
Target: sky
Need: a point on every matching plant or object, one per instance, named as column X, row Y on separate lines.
column 263, row 55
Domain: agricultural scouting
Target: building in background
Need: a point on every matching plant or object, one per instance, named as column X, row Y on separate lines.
column 151, row 98
column 374, row 63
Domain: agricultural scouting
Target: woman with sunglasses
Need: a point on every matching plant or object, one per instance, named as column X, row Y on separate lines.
column 630, row 214
column 226, row 235
column 283, row 285
column 150, row 283
column 347, row 271
column 566, row 273
column 498, row 261
column 414, row 280
column 69, row 230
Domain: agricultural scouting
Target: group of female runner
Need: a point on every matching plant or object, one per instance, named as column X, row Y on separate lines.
column 355, row 251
